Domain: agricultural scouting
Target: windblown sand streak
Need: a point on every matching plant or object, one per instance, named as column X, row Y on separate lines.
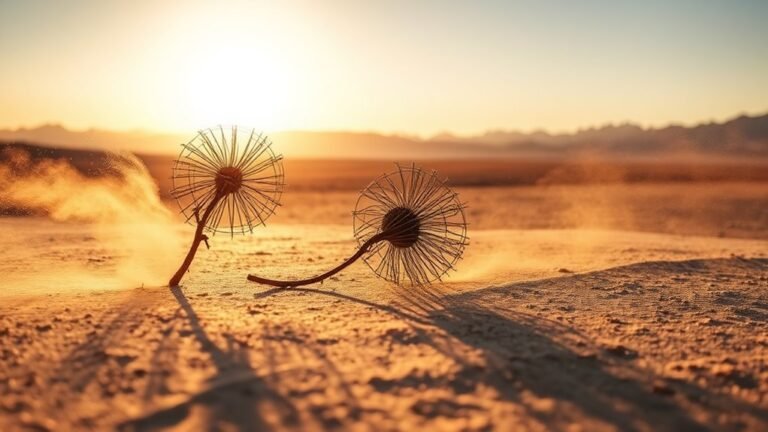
column 121, row 210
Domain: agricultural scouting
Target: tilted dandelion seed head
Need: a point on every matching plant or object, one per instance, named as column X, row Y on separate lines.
column 402, row 225
column 421, row 220
column 238, row 166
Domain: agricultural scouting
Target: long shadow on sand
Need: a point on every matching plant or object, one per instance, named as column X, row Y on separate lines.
column 82, row 364
column 233, row 398
column 530, row 356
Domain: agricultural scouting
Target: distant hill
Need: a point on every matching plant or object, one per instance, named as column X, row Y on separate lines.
column 741, row 137
column 93, row 139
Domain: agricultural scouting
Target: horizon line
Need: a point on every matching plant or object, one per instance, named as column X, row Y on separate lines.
column 409, row 135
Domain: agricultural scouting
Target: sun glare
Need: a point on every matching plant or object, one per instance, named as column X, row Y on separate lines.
column 219, row 68
column 234, row 85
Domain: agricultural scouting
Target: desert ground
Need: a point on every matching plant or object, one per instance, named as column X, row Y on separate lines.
column 581, row 307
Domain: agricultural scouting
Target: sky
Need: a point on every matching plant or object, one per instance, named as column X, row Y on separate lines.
column 409, row 67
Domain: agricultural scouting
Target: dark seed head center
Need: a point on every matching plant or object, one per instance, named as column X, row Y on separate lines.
column 229, row 180
column 401, row 227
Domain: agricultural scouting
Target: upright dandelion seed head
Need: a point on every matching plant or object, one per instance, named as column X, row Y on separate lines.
column 419, row 218
column 229, row 180
column 234, row 169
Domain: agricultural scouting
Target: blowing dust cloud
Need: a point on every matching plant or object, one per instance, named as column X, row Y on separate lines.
column 133, row 236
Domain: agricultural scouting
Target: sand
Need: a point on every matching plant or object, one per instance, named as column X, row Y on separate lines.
column 557, row 329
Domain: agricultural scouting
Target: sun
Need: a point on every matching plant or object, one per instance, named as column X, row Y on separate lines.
column 237, row 85
column 214, row 66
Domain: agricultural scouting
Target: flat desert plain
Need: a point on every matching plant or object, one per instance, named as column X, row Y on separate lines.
column 583, row 307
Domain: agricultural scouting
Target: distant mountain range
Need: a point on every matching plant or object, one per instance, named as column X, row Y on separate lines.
column 741, row 137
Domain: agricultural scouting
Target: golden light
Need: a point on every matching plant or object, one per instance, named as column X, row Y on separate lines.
column 237, row 85
column 217, row 67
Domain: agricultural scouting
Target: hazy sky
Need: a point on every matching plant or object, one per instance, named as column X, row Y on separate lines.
column 394, row 66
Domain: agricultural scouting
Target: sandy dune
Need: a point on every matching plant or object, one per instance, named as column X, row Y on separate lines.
column 571, row 330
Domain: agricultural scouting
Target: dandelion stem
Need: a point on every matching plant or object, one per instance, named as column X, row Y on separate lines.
column 294, row 283
column 199, row 237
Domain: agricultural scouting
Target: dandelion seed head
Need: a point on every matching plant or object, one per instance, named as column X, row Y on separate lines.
column 421, row 221
column 229, row 180
column 403, row 225
column 236, row 168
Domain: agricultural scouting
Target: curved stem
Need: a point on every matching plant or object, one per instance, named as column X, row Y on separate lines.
column 199, row 237
column 287, row 283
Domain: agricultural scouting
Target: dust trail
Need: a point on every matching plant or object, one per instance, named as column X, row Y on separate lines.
column 136, row 235
column 533, row 254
